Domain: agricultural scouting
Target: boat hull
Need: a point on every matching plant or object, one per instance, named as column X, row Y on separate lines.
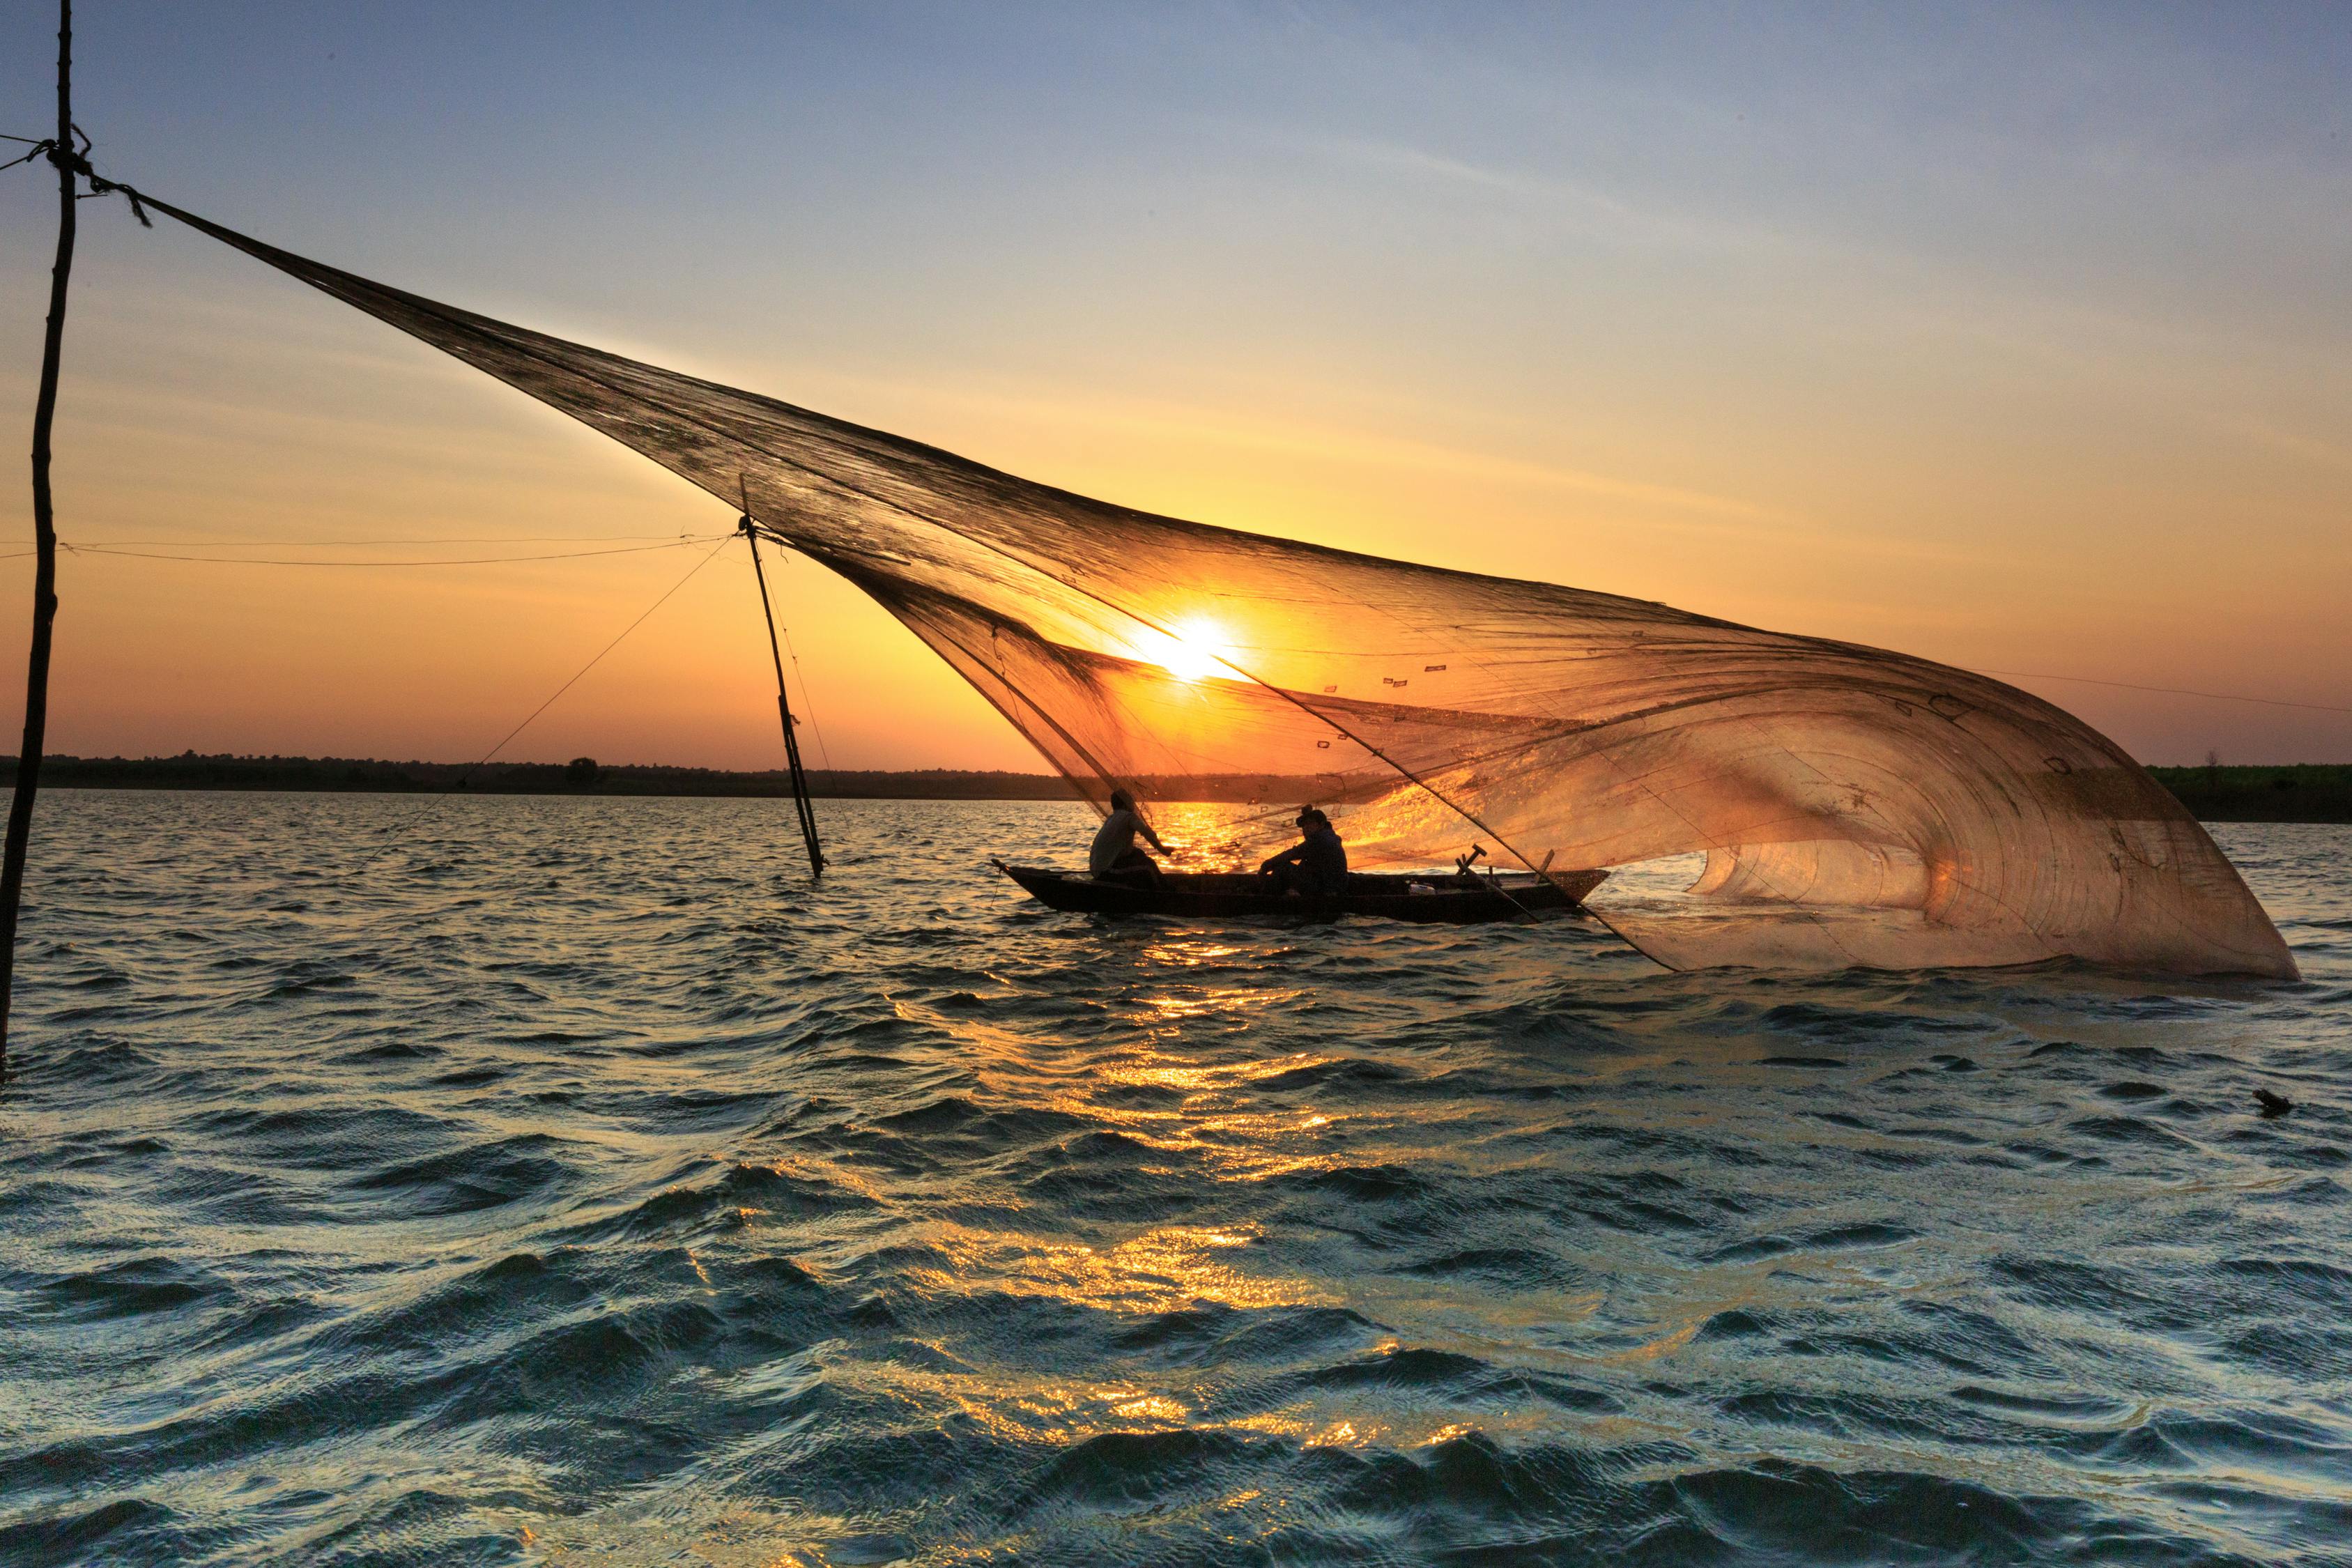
column 1448, row 900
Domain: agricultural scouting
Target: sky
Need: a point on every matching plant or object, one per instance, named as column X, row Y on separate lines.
column 2018, row 338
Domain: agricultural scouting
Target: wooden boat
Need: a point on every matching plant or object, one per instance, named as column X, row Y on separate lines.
column 1430, row 898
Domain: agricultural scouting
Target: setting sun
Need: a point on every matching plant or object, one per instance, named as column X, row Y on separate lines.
column 1190, row 651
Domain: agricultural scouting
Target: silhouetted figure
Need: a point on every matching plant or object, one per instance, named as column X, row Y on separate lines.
column 2272, row 1104
column 1316, row 866
column 1115, row 853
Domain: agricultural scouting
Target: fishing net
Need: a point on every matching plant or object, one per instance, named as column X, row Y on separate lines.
column 1854, row 807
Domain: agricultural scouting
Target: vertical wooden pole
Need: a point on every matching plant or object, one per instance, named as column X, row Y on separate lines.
column 800, row 801
column 45, row 532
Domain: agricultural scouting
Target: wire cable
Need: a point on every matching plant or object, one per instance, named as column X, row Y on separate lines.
column 808, row 701
column 2167, row 690
column 445, row 560
column 608, row 647
column 186, row 542
column 399, row 829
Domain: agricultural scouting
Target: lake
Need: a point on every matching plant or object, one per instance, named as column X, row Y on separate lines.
column 433, row 1180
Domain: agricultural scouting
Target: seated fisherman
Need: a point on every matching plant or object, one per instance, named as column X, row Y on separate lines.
column 1316, row 866
column 1115, row 853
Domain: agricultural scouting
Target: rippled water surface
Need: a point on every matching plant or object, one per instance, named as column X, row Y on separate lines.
column 574, row 1185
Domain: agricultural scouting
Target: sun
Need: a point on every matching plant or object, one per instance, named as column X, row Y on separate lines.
column 1190, row 651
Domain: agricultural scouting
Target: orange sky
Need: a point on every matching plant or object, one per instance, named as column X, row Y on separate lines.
column 2094, row 437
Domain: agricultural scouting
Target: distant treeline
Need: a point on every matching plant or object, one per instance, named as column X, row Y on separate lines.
column 2302, row 793
column 585, row 776
column 582, row 775
column 2308, row 793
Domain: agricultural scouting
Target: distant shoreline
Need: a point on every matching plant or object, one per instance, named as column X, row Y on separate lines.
column 2307, row 792
column 374, row 776
column 2317, row 792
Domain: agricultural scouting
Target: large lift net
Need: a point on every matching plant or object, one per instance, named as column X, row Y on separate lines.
column 1854, row 807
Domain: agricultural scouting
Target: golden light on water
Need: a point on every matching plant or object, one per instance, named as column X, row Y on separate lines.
column 1193, row 1085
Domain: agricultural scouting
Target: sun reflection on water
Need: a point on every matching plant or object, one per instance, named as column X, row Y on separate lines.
column 1163, row 1269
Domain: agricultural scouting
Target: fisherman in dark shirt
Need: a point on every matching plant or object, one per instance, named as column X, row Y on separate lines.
column 1113, row 853
column 1316, row 866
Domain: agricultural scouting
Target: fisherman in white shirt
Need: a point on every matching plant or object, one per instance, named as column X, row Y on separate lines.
column 1115, row 853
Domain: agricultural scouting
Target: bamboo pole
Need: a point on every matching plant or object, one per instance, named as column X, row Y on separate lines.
column 800, row 801
column 45, row 532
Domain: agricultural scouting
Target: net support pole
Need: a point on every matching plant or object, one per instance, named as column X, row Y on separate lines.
column 45, row 534
column 801, row 802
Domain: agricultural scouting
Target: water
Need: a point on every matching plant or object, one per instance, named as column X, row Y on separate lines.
column 573, row 1185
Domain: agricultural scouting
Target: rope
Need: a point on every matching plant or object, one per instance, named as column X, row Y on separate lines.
column 608, row 647
column 2168, row 690
column 76, row 161
column 807, row 702
column 452, row 561
column 396, row 830
column 463, row 539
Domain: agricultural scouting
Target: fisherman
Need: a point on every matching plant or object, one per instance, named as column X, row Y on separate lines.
column 1316, row 866
column 1115, row 853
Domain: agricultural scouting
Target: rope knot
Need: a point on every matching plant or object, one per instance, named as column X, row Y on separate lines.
column 73, row 160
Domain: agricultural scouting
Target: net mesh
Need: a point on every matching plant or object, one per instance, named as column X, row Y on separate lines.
column 1854, row 807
